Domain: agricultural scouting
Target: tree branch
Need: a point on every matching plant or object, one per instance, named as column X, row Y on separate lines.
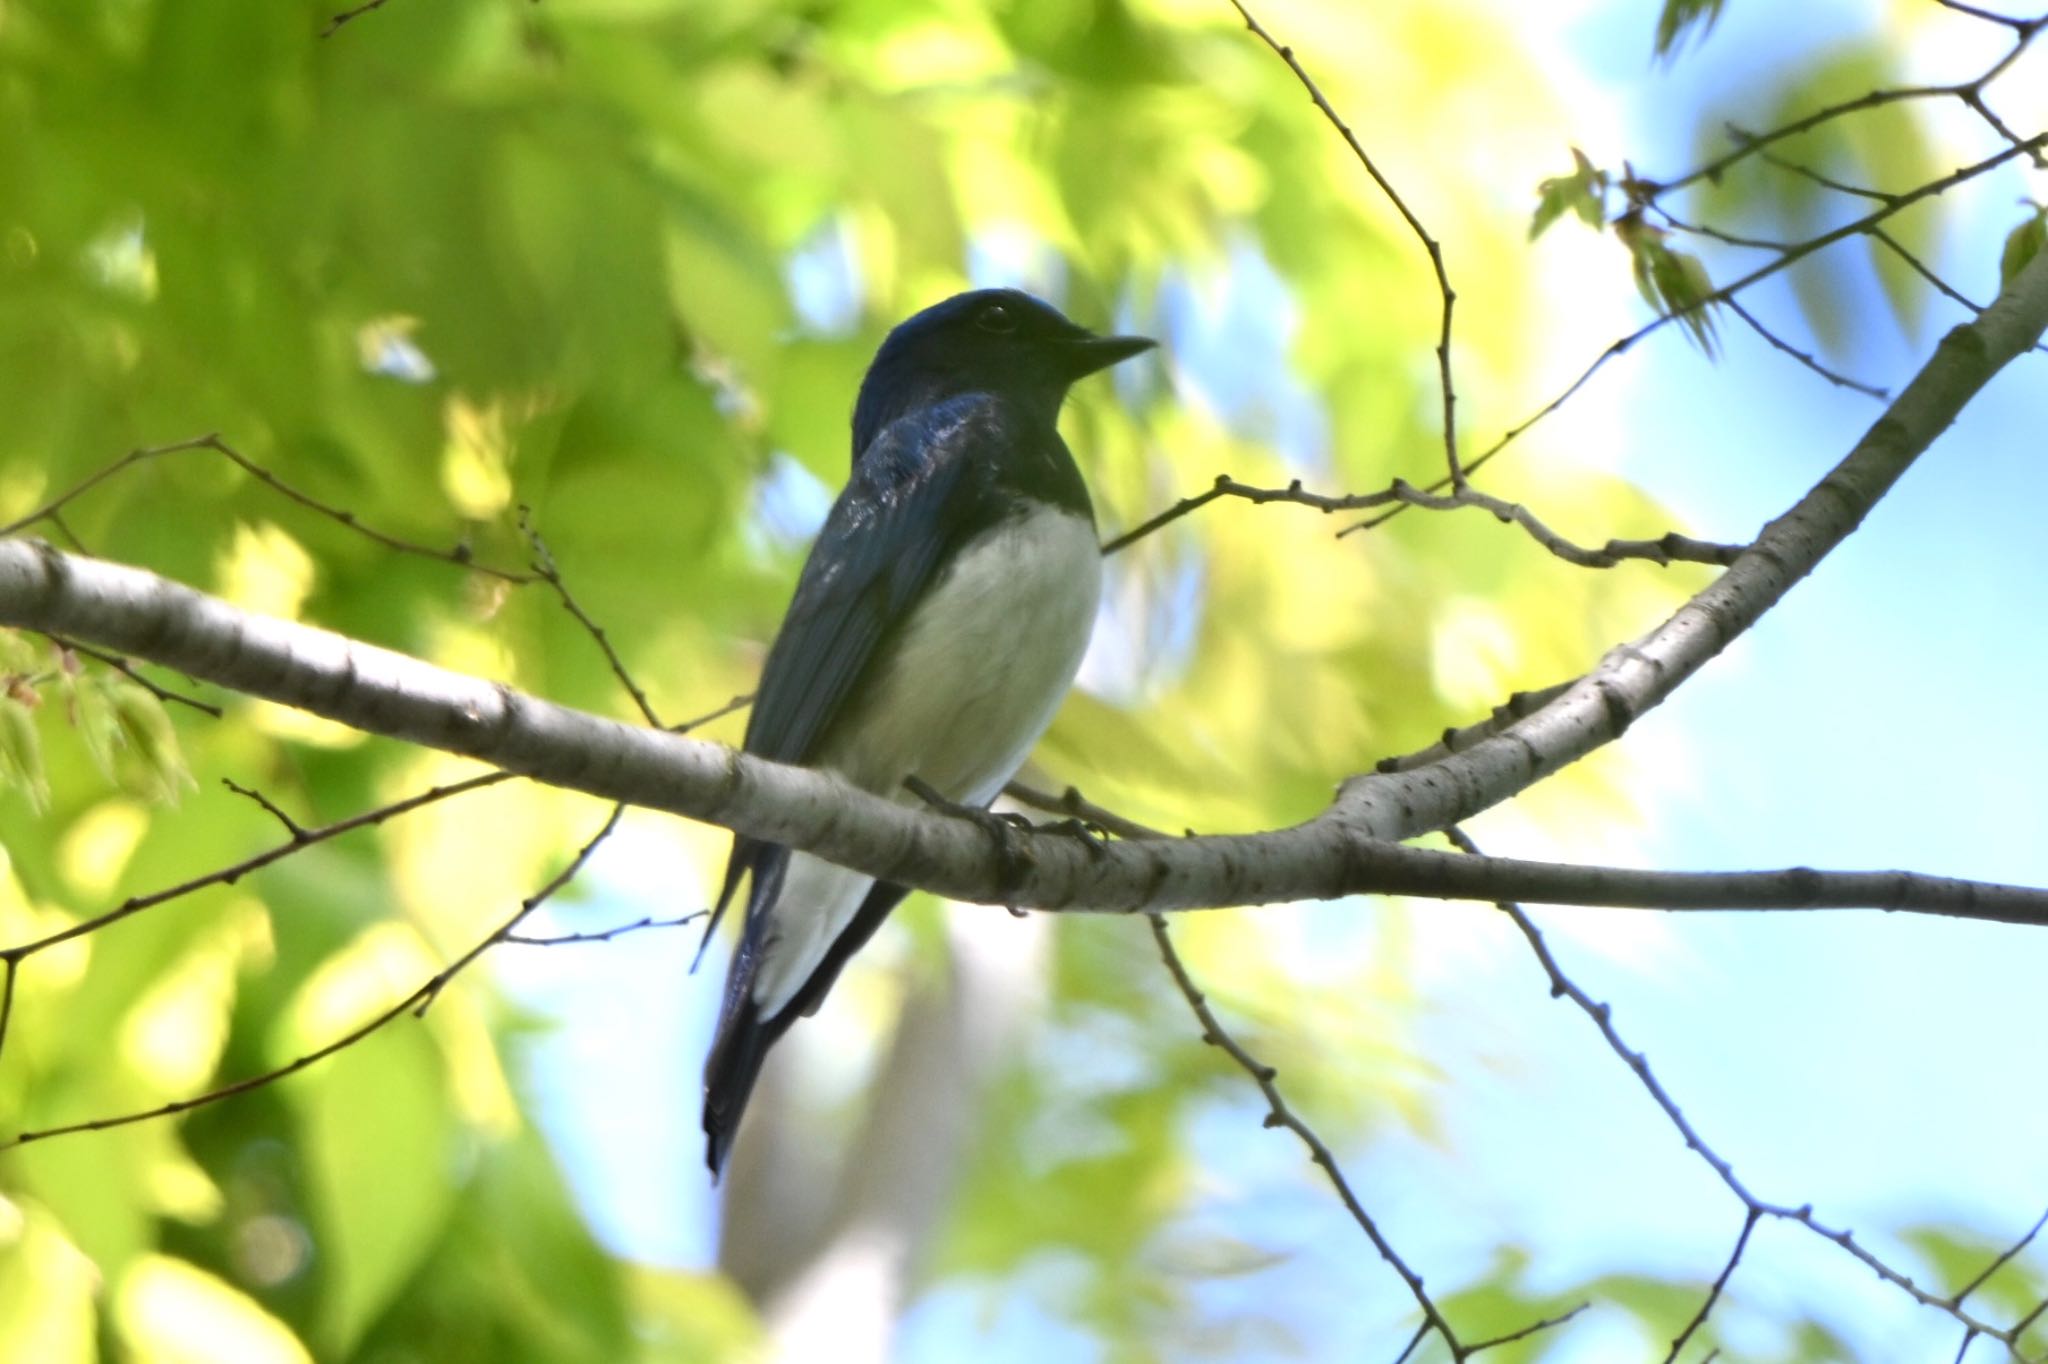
column 390, row 694
column 1348, row 849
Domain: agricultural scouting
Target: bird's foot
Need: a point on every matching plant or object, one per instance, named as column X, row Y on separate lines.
column 1092, row 836
column 1013, row 858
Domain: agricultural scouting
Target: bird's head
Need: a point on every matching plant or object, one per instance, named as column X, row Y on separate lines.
column 991, row 340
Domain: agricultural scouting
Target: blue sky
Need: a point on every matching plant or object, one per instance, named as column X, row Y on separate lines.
column 1888, row 713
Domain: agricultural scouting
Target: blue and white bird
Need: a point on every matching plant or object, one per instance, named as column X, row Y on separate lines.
column 937, row 624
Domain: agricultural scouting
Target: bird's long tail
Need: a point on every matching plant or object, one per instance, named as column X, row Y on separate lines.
column 744, row 1035
column 729, row 1075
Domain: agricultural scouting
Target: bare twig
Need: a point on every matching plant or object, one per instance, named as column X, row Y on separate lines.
column 604, row 934
column 459, row 556
column 2003, row 1258
column 299, row 839
column 417, row 1001
column 1970, row 93
column 2022, row 26
column 1456, row 472
column 1278, row 1114
column 49, row 510
column 1562, row 986
column 1546, row 1324
column 135, row 675
column 1804, row 358
column 1664, row 550
column 545, row 568
column 350, row 15
column 228, row 875
column 291, row 826
column 1808, row 173
column 1720, row 1285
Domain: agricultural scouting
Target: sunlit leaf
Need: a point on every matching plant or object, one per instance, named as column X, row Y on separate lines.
column 2022, row 244
column 21, row 753
column 172, row 1312
column 373, row 1116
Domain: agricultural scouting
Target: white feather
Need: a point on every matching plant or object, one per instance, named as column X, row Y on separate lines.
column 981, row 666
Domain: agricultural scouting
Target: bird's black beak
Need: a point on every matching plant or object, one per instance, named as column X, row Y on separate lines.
column 1087, row 353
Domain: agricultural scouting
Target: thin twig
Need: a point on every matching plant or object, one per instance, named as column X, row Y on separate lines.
column 291, row 826
column 1969, row 92
column 1664, row 550
column 1838, row 380
column 49, row 510
column 1720, row 1285
column 605, row 934
column 1525, row 1332
column 135, row 675
column 228, row 875
column 1990, row 16
column 459, row 556
column 1562, row 986
column 1456, row 471
column 417, row 1001
column 2004, row 1257
column 545, row 568
column 349, row 15
column 1278, row 1114
column 1808, row 173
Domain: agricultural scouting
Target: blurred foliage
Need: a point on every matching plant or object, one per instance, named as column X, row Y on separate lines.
column 2022, row 244
column 1685, row 19
column 460, row 258
column 1884, row 150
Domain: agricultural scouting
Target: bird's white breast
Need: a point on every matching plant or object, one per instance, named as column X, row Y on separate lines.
column 981, row 664
column 973, row 680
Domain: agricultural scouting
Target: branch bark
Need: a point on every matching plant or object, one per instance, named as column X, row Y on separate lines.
column 1350, row 848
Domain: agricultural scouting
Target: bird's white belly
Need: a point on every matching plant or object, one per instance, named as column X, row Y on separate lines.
column 981, row 665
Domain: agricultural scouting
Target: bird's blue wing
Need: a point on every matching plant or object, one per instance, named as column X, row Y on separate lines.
column 923, row 484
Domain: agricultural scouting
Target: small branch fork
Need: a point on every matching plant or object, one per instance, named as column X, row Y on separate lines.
column 1602, row 1016
column 1788, row 255
column 1666, row 549
column 1455, row 470
column 1644, row 193
column 460, row 555
column 1970, row 93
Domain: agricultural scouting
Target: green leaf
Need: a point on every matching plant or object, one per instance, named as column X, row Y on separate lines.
column 1682, row 19
column 1582, row 192
column 21, row 753
column 2021, row 246
column 1675, row 283
column 46, row 1287
column 158, row 770
column 377, row 1128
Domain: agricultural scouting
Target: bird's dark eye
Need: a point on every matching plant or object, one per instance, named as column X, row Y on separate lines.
column 996, row 318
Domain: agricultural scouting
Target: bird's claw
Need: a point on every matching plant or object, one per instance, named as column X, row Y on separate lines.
column 1092, row 836
column 1013, row 858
